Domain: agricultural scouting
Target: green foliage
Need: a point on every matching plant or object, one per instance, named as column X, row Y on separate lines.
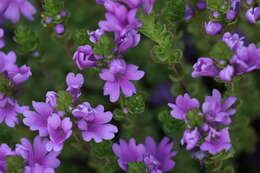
column 64, row 100
column 15, row 164
column 102, row 149
column 4, row 85
column 194, row 119
column 218, row 5
column 136, row 167
column 228, row 169
column 27, row 39
column 135, row 104
column 175, row 10
column 220, row 51
column 52, row 7
column 81, row 37
column 118, row 114
column 105, row 46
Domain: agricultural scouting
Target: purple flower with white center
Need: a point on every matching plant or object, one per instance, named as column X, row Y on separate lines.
column 127, row 41
column 36, row 157
column 38, row 120
column 94, row 36
column 253, row 14
column 128, row 152
column 84, row 57
column 182, row 105
column 191, row 138
column 118, row 78
column 2, row 43
column 205, row 67
column 213, row 28
column 9, row 109
column 227, row 73
column 217, row 113
column 188, row 12
column 19, row 75
column 5, row 151
column 59, row 131
column 51, row 99
column 74, row 82
column 247, row 59
column 132, row 3
column 94, row 122
column 233, row 41
column 59, row 29
column 201, row 5
column 158, row 157
column 147, row 6
column 216, row 141
column 12, row 9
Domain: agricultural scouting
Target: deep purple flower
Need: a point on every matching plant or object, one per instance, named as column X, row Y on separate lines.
column 148, row 6
column 2, row 43
column 51, row 99
column 227, row 73
column 213, row 28
column 59, row 131
column 128, row 152
column 5, row 151
column 94, row 122
column 38, row 120
column 118, row 77
column 233, row 41
column 253, row 14
column 204, row 67
column 94, row 36
column 84, row 57
column 217, row 113
column 36, row 157
column 188, row 12
column 216, row 141
column 158, row 157
column 59, row 29
column 11, row 9
column 129, row 40
column 190, row 138
column 9, row 109
column 201, row 5
column 247, row 59
column 19, row 75
column 132, row 3
column 182, row 105
column 234, row 9
column 63, row 13
column 74, row 82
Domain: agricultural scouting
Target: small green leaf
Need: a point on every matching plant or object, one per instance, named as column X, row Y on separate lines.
column 102, row 149
column 135, row 104
column 81, row 37
column 52, row 7
column 104, row 47
column 220, row 51
column 175, row 10
column 15, row 164
column 64, row 100
column 118, row 114
column 136, row 167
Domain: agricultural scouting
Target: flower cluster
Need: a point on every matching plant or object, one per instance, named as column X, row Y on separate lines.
column 157, row 157
column 244, row 60
column 207, row 130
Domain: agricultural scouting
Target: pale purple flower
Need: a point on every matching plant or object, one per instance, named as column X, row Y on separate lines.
column 38, row 120
column 201, row 5
column 247, row 59
column 94, row 122
column 74, row 82
column 217, row 113
column 188, row 12
column 233, row 41
column 51, row 99
column 182, row 105
column 19, row 75
column 253, row 14
column 59, row 29
column 59, row 131
column 9, row 109
column 234, row 9
column 249, row 2
column 129, row 40
column 132, row 3
column 191, row 138
column 8, row 61
column 147, row 6
column 94, row 36
column 48, row 20
column 63, row 13
column 216, row 141
column 204, row 67
column 2, row 43
column 36, row 157
column 213, row 28
column 128, row 152
column 118, row 78
column 5, row 151
column 158, row 157
column 215, row 14
column 100, row 1
column 12, row 9
column 84, row 57
column 227, row 73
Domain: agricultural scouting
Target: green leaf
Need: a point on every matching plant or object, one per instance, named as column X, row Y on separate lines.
column 64, row 100
column 175, row 10
column 221, row 51
column 118, row 114
column 136, row 167
column 52, row 7
column 4, row 85
column 135, row 104
column 194, row 119
column 104, row 47
column 102, row 149
column 229, row 169
column 81, row 37
column 15, row 164
column 218, row 5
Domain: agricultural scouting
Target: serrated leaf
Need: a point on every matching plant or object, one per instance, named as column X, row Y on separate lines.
column 64, row 100
column 221, row 51
column 135, row 104
column 102, row 149
column 15, row 164
column 81, row 37
column 52, row 7
column 136, row 167
column 175, row 10
column 104, row 46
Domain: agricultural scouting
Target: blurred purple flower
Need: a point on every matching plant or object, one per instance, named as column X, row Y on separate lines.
column 201, row 5
column 5, row 151
column 253, row 14
column 132, row 3
column 94, row 122
column 233, row 41
column 213, row 28
column 204, row 67
column 2, row 43
column 94, row 36
column 188, row 12
column 51, row 99
column 74, row 82
column 19, row 75
column 147, row 6
column 118, row 77
column 59, row 29
column 190, row 138
column 227, row 73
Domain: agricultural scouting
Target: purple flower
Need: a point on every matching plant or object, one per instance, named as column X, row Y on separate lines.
column 253, row 14
column 59, row 131
column 201, row 5
column 129, row 40
column 217, row 113
column 94, row 122
column 213, row 28
column 216, row 141
column 19, row 75
column 247, row 59
column 227, row 73
column 204, row 67
column 132, row 3
column 51, row 99
column 74, row 82
column 11, row 9
column 38, row 120
column 9, row 109
column 59, row 29
column 249, row 2
column 5, row 151
column 234, row 9
column 188, row 12
column 94, row 36
column 158, row 157
column 191, row 138
column 7, row 61
column 84, row 57
column 36, row 157
column 117, row 77
column 148, row 6
column 128, row 152
column 182, row 105
column 2, row 43
column 233, row 41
